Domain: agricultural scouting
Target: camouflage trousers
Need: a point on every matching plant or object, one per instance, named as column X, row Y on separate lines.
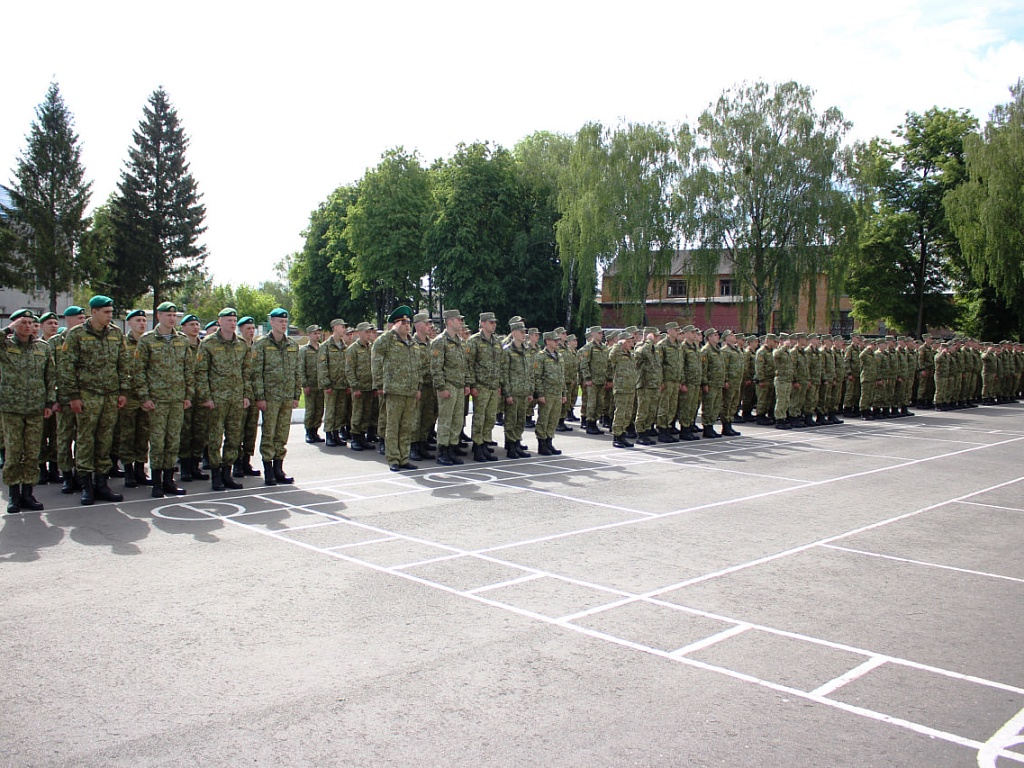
column 851, row 395
column 765, row 398
column 783, row 392
column 515, row 418
column 402, row 421
column 337, row 410
column 485, row 411
column 623, row 415
column 668, row 404
column 165, row 433
column 250, row 428
column 690, row 404
column 428, row 413
column 647, row 407
column 22, row 436
column 314, row 410
column 594, row 401
column 362, row 411
column 711, row 404
column 811, row 398
column 224, row 433
column 547, row 415
column 573, row 390
column 277, row 423
column 797, row 396
column 451, row 416
column 48, row 444
column 67, row 427
column 195, row 432
column 731, row 400
column 926, row 387
column 95, row 430
column 133, row 432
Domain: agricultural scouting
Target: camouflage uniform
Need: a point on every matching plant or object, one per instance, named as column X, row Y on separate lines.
column 332, row 375
column 195, row 429
column 548, row 382
column 224, row 376
column 448, row 372
column 713, row 379
column 314, row 400
column 400, row 362
column 277, row 381
column 359, row 376
column 133, row 423
column 164, row 373
column 593, row 367
column 29, row 379
column 648, row 386
column 622, row 375
column 483, row 366
column 764, row 382
column 670, row 358
column 782, row 362
column 516, row 378
column 692, row 375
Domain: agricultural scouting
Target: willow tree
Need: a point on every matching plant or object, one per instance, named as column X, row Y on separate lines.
column 766, row 192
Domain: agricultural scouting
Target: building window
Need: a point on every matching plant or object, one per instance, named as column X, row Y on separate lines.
column 677, row 289
column 725, row 287
column 842, row 322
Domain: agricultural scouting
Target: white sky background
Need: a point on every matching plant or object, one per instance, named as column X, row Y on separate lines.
column 284, row 102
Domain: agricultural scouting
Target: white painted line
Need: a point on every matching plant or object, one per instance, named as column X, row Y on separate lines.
column 992, row 506
column 570, row 617
column 501, row 584
column 707, row 642
column 317, row 525
column 574, row 499
column 859, row 671
column 428, row 561
column 360, row 543
column 922, row 562
column 1007, row 736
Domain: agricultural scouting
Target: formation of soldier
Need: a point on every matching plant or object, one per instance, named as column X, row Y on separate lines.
column 78, row 400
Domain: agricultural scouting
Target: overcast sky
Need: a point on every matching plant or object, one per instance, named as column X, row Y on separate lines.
column 284, row 102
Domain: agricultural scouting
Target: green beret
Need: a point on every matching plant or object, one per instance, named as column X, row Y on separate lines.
column 23, row 313
column 448, row 314
column 421, row 317
column 247, row 320
column 188, row 319
column 73, row 311
column 279, row 312
column 167, row 307
column 47, row 316
column 228, row 312
column 488, row 317
column 99, row 302
column 312, row 328
column 211, row 324
column 402, row 311
column 135, row 313
column 594, row 329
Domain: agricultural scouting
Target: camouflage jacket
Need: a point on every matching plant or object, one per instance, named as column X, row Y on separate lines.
column 276, row 373
column 670, row 356
column 516, row 371
column 782, row 361
column 621, row 369
column 400, row 362
column 548, row 374
column 94, row 361
column 164, row 368
column 648, row 367
column 483, row 361
column 28, row 377
column 358, row 370
column 712, row 366
column 593, row 363
column 223, row 370
column 448, row 363
column 331, row 372
column 693, row 371
column 308, row 365
column 764, row 365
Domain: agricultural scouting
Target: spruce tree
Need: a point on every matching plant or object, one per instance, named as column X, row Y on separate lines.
column 157, row 213
column 45, row 217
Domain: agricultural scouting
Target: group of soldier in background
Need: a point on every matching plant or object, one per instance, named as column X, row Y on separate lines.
column 79, row 400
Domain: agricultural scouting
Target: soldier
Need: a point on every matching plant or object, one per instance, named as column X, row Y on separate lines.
column 517, row 386
column 571, row 363
column 163, row 380
column 549, row 391
column 814, row 380
column 692, row 374
column 449, row 375
column 48, row 471
column 359, row 376
column 748, row 392
column 533, row 345
column 669, row 352
column 195, row 425
column 785, row 384
column 66, row 424
column 400, row 363
column 593, row 366
column 735, row 365
column 622, row 376
column 483, row 372
column 712, row 382
column 801, row 376
column 427, row 404
column 871, row 383
column 314, row 396
column 276, row 384
column 251, row 423
column 133, row 419
column 332, row 378
column 95, row 371
column 648, row 385
column 851, row 367
column 27, row 397
column 764, row 380
column 224, row 389
column 839, row 376
column 380, row 411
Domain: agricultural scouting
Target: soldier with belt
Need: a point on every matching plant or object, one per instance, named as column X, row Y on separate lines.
column 851, row 369
column 133, row 420
column 549, row 392
column 870, row 381
column 784, row 382
column 669, row 352
column 332, row 378
column 276, row 384
column 359, row 377
column 622, row 377
column 251, row 422
column 400, row 364
column 712, row 382
column 571, row 364
column 66, row 425
column 195, row 424
column 449, row 374
column 483, row 373
column 314, row 396
column 427, row 404
column 48, row 471
column 593, row 367
column 735, row 363
column 517, row 387
column 648, row 385
column 764, row 380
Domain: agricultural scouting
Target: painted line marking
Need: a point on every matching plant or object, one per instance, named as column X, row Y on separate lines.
column 707, row 642
column 500, row 584
column 992, row 506
column 360, row 543
column 924, row 563
column 859, row 671
column 1007, row 736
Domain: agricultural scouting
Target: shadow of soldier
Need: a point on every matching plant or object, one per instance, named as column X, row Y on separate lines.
column 103, row 526
column 23, row 536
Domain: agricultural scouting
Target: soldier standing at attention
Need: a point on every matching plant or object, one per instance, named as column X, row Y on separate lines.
column 163, row 379
column 517, row 386
column 48, row 472
column 251, row 422
column 593, row 366
column 380, row 411
column 224, row 389
column 732, row 387
column 622, row 377
column 483, row 371
column 870, row 381
column 27, row 397
column 814, row 376
column 400, row 364
column 669, row 352
column 851, row 367
column 96, row 374
column 549, row 392
column 690, row 388
column 276, row 384
column 195, row 426
column 785, row 383
column 133, row 419
column 571, row 364
column 648, row 385
column 427, row 404
column 801, row 377
column 66, row 425
column 333, row 380
column 712, row 382
column 311, row 386
column 764, row 380
column 448, row 372
column 359, row 376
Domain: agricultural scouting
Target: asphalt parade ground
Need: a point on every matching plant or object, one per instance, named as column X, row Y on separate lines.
column 838, row 596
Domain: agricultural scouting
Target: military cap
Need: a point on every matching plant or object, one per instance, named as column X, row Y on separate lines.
column 550, row 336
column 228, row 312
column 837, row 337
column 709, row 332
column 571, row 337
column 889, row 338
column 812, row 337
column 135, row 313
column 752, row 338
column 515, row 319
column 23, row 313
column 517, row 327
column 671, row 324
column 689, row 328
column 926, row 336
column 247, row 320
column 167, row 306
column 623, row 335
column 311, row 328
column 856, row 336
column 533, row 330
column 47, row 316
column 594, row 329
column 402, row 311
column 99, row 302
column 363, row 327
column 649, row 329
column 771, row 336
column 279, row 312
column 488, row 317
column 211, row 324
column 723, row 333
column 783, row 336
column 188, row 319
column 632, row 329
column 73, row 310
column 448, row 314
column 420, row 317
column 559, row 330
column 338, row 321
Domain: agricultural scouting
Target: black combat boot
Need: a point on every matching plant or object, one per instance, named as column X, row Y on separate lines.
column 101, row 491
column 728, row 431
column 279, row 474
column 216, row 479
column 197, row 471
column 551, row 447
column 13, row 499
column 664, row 436
column 28, row 499
column 44, row 477
column 339, row 439
column 186, row 469
column 478, row 453
column 510, row 450
column 54, row 474
column 425, row 452
column 115, row 469
column 643, row 439
column 138, row 470
column 167, row 483
column 593, row 429
column 709, row 431
column 67, row 482
column 236, row 469
column 247, row 468
column 443, row 458
column 784, row 424
column 620, row 441
column 380, row 446
column 356, row 443
column 414, row 452
column 542, row 447
column 521, row 450
column 688, row 435
column 331, row 440
column 456, row 449
column 562, row 426
column 227, row 479
column 269, row 478
column 631, row 431
column 571, row 416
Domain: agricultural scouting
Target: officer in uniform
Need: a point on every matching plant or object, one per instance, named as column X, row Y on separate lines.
column 251, row 422
column 359, row 376
column 195, row 424
column 311, row 386
column 549, row 392
column 276, row 384
column 132, row 420
column 401, row 371
column 648, row 385
column 333, row 380
column 517, row 386
column 27, row 397
column 593, row 367
column 712, row 382
column 163, row 379
column 450, row 377
column 95, row 371
column 224, row 389
column 483, row 366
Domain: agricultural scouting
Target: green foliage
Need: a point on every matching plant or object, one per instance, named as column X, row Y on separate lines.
column 44, row 223
column 157, row 212
column 908, row 250
column 244, row 298
column 767, row 192
column 986, row 213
